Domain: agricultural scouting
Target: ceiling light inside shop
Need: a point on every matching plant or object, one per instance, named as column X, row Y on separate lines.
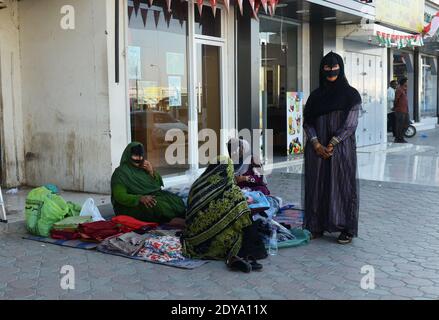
column 330, row 18
column 302, row 11
column 346, row 22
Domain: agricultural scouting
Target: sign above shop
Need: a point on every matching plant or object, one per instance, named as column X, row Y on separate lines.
column 403, row 14
column 431, row 29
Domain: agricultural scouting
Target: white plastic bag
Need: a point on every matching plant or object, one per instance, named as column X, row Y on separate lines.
column 89, row 209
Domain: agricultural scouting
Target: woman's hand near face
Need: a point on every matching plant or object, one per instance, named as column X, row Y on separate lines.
column 148, row 167
column 148, row 201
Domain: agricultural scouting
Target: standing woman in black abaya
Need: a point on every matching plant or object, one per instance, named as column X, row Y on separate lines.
column 330, row 121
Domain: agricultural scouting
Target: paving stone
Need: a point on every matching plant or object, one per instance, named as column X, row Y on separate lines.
column 407, row 292
column 404, row 269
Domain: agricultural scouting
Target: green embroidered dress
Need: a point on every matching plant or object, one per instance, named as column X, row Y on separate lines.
column 129, row 184
column 216, row 216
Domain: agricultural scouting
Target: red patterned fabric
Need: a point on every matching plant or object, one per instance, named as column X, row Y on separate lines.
column 64, row 235
column 132, row 223
column 100, row 230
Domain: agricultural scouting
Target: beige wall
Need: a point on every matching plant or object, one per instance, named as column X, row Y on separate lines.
column 66, row 95
column 11, row 124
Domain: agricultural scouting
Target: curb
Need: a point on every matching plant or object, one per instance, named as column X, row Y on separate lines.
column 13, row 227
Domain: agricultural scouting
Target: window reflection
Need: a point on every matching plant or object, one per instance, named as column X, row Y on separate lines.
column 158, row 84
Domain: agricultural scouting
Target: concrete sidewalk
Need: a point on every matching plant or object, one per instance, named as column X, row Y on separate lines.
column 398, row 238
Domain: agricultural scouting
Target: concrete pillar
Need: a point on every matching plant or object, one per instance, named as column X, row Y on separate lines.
column 248, row 65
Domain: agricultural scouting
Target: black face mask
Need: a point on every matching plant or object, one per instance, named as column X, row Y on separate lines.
column 332, row 73
column 138, row 161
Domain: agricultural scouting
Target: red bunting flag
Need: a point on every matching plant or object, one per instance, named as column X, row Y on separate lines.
column 200, row 6
column 168, row 5
column 240, row 6
column 270, row 10
column 264, row 4
column 227, row 4
column 252, row 4
column 273, row 4
column 213, row 4
column 256, row 10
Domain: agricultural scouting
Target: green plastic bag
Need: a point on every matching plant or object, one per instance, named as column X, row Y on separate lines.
column 44, row 208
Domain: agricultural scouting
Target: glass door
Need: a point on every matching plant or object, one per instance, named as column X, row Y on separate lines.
column 208, row 90
column 208, row 83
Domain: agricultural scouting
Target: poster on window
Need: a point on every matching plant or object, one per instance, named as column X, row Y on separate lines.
column 175, row 63
column 174, row 86
column 134, row 63
column 294, row 123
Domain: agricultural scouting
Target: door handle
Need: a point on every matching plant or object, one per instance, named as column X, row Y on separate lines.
column 199, row 97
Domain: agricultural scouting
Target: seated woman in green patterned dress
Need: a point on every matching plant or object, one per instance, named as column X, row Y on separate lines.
column 136, row 190
column 218, row 221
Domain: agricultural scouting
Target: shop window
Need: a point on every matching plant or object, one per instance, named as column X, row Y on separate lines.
column 278, row 76
column 158, row 78
column 429, row 87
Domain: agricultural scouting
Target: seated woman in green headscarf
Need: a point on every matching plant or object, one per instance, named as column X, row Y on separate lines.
column 218, row 222
column 136, row 190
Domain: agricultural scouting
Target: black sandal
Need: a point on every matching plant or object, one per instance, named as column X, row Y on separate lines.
column 256, row 266
column 344, row 238
column 239, row 264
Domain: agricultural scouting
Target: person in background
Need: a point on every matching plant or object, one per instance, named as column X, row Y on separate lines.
column 248, row 173
column 401, row 109
column 391, row 91
column 330, row 121
column 136, row 190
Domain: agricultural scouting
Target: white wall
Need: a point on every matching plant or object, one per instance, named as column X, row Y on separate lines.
column 11, row 124
column 118, row 99
column 364, row 47
column 66, row 95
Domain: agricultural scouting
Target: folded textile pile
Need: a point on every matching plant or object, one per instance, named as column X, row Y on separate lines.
column 100, row 230
column 67, row 229
column 161, row 249
column 132, row 223
column 129, row 243
column 71, row 223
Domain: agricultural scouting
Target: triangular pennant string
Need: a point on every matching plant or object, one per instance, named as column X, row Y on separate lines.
column 144, row 13
column 200, row 6
column 156, row 18
column 136, row 6
column 130, row 12
column 213, row 4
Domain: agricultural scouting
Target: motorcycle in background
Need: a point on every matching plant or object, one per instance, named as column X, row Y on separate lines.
column 410, row 132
